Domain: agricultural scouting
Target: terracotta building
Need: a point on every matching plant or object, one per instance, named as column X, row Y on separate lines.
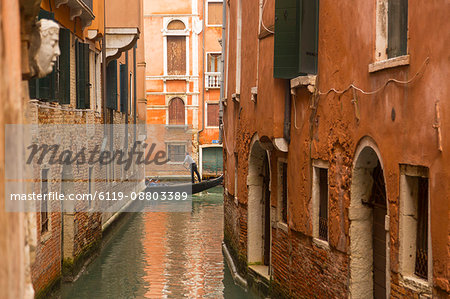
column 183, row 78
column 83, row 90
column 336, row 147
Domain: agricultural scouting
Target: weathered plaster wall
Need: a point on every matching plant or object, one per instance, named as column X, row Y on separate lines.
column 329, row 127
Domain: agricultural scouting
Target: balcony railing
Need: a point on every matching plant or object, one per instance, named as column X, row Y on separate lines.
column 212, row 80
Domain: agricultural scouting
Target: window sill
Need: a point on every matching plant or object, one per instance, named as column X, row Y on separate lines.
column 389, row 63
column 321, row 243
column 283, row 226
column 45, row 236
column 308, row 80
column 417, row 284
column 174, row 163
column 177, row 127
column 212, row 127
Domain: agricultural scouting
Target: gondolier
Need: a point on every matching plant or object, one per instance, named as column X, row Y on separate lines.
column 193, row 166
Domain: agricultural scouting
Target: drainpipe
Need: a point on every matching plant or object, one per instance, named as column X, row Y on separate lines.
column 222, row 75
column 203, row 76
column 287, row 112
column 134, row 92
column 104, row 66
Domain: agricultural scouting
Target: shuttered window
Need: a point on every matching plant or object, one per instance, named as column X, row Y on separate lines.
column 64, row 66
column 176, row 55
column 44, row 204
column 176, row 152
column 421, row 263
column 123, row 87
column 323, row 204
column 82, row 75
column 397, row 28
column 111, row 85
column 214, row 13
column 176, row 112
column 213, row 114
column 296, row 38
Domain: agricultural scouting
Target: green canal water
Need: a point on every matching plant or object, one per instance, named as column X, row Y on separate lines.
column 163, row 255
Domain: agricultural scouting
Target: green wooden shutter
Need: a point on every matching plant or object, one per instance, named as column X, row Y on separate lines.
column 286, row 39
column 83, row 85
column 111, row 85
column 308, row 38
column 397, row 28
column 64, row 66
column 87, row 78
column 43, row 14
column 296, row 38
column 123, row 87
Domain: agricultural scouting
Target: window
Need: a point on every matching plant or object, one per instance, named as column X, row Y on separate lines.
column 124, row 88
column 176, row 55
column 283, row 196
column 397, row 27
column 176, row 152
column 44, row 204
column 296, row 38
column 214, row 69
column 176, row 112
column 414, row 231
column 82, row 75
column 215, row 12
column 90, row 185
column 214, row 62
column 111, row 85
column 320, row 200
column 212, row 116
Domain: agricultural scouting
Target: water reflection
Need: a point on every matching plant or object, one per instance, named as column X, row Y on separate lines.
column 163, row 255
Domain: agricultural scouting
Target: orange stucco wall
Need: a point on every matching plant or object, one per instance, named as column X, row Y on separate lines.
column 160, row 90
column 332, row 132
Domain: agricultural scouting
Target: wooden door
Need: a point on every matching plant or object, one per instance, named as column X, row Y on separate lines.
column 176, row 112
column 378, row 199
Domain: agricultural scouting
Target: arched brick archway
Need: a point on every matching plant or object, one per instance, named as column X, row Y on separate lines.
column 258, row 182
column 369, row 240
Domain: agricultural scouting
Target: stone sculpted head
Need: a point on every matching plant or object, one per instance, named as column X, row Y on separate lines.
column 44, row 48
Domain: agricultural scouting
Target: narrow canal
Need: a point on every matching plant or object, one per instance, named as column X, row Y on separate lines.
column 163, row 255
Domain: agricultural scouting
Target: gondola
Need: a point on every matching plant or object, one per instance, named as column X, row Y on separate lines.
column 186, row 187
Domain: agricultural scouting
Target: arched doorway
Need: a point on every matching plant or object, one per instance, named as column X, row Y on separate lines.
column 176, row 112
column 369, row 247
column 258, row 231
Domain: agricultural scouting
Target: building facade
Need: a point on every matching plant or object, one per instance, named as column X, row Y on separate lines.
column 183, row 82
column 335, row 147
column 97, row 79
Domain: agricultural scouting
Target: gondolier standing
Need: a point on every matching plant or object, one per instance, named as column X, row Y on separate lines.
column 193, row 166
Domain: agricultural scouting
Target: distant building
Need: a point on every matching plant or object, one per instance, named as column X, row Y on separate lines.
column 183, row 79
column 335, row 151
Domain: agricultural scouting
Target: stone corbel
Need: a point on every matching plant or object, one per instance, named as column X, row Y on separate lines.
column 78, row 9
column 119, row 40
column 94, row 35
column 76, row 12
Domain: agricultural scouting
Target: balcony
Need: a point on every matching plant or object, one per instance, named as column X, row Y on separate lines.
column 79, row 8
column 212, row 80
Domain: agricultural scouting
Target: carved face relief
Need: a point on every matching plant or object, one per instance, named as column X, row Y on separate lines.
column 45, row 47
